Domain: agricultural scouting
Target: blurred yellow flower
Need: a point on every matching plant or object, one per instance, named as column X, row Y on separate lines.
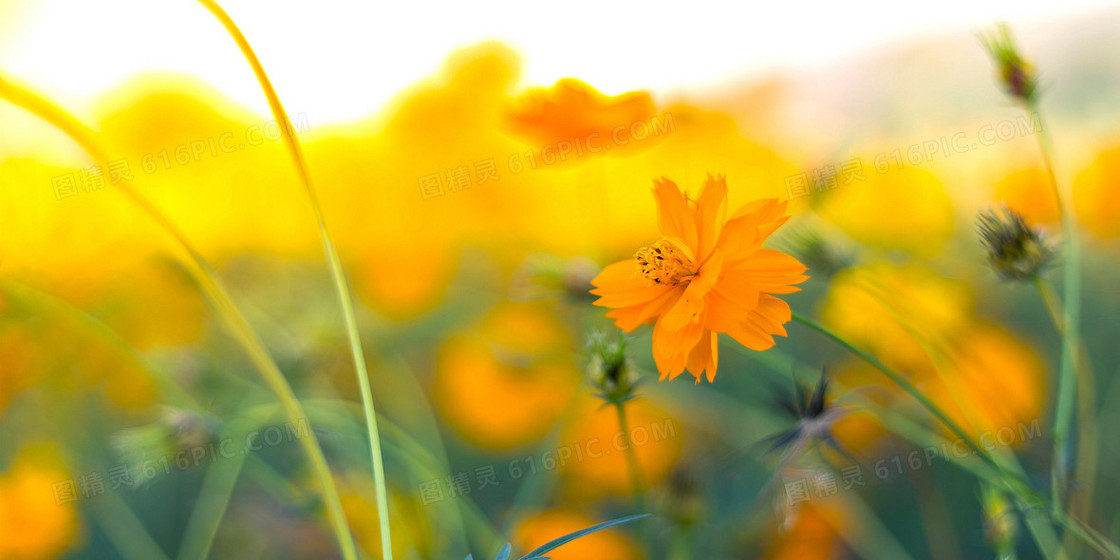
column 706, row 275
column 504, row 382
column 541, row 528
column 886, row 308
column 1096, row 196
column 905, row 209
column 33, row 524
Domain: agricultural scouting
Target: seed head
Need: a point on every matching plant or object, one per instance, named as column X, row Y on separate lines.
column 1015, row 250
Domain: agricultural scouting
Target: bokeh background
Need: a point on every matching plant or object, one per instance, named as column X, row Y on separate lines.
column 477, row 165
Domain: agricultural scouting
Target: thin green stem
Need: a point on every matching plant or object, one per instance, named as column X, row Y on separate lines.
column 1038, row 526
column 213, row 498
column 214, row 290
column 1071, row 286
column 1086, row 407
column 637, row 485
column 124, row 529
column 903, row 383
column 337, row 273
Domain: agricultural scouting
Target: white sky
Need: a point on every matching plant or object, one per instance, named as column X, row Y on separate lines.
column 335, row 60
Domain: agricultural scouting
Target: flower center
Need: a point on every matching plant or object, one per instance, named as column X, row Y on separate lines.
column 664, row 263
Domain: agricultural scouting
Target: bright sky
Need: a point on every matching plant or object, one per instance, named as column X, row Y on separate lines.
column 335, row 59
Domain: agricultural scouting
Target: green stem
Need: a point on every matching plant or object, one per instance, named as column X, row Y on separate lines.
column 903, row 383
column 636, row 482
column 210, row 508
column 337, row 274
column 1086, row 407
column 1071, row 286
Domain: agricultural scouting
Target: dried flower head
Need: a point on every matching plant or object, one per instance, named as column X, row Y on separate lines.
column 1015, row 74
column 813, row 420
column 1015, row 250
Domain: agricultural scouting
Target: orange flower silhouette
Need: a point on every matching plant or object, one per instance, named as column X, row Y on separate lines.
column 707, row 275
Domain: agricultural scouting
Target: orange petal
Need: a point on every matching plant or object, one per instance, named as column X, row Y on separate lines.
column 704, row 357
column 630, row 318
column 620, row 285
column 711, row 211
column 671, row 348
column 675, row 216
column 768, row 271
column 746, row 231
column 691, row 305
column 758, row 328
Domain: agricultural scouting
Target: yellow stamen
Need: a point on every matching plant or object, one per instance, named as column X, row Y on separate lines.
column 664, row 263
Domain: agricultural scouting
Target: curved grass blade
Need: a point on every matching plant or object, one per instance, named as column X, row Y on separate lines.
column 537, row 553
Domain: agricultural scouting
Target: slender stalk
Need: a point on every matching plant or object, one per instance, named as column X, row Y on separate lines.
column 337, row 273
column 215, row 292
column 1086, row 408
column 1071, row 287
column 124, row 529
column 637, row 486
column 213, row 498
column 903, row 383
column 1038, row 525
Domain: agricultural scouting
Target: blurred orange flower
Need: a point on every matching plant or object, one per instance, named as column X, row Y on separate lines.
column 1095, row 195
column 33, row 523
column 571, row 110
column 815, row 533
column 592, row 451
column 504, row 381
column 1028, row 192
column 706, row 275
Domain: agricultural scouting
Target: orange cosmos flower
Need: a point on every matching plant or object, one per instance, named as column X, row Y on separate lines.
column 706, row 275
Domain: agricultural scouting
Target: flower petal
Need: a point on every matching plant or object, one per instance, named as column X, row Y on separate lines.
column 757, row 330
column 630, row 318
column 748, row 229
column 704, row 357
column 674, row 215
column 691, row 305
column 672, row 348
column 767, row 271
column 620, row 285
column 710, row 213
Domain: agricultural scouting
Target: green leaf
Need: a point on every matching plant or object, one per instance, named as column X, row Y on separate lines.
column 504, row 554
column 536, row 553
